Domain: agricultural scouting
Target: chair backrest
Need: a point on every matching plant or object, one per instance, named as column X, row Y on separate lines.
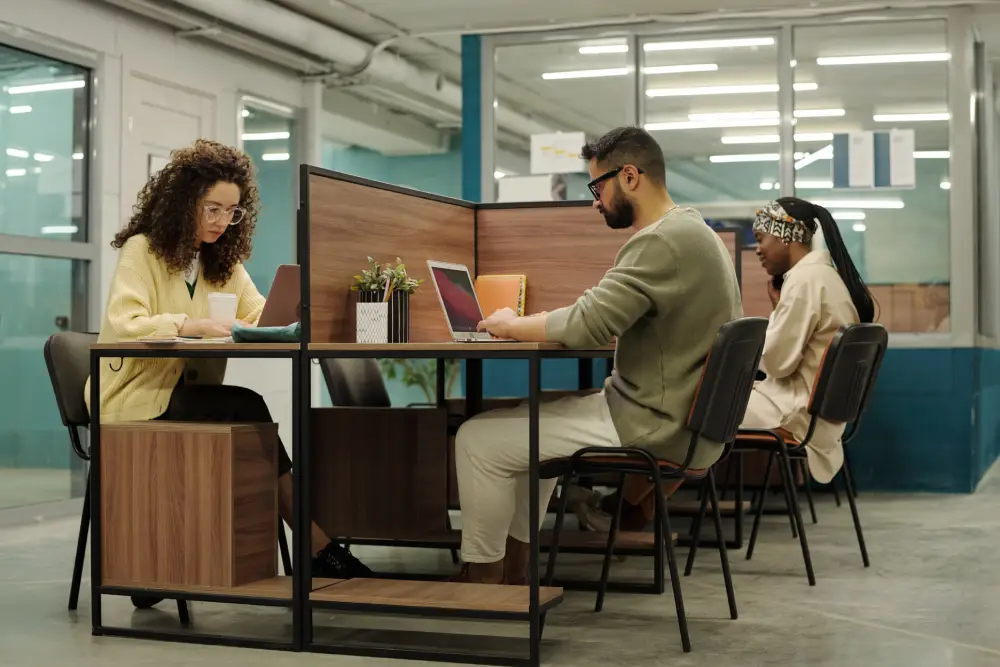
column 848, row 372
column 67, row 356
column 727, row 378
column 355, row 383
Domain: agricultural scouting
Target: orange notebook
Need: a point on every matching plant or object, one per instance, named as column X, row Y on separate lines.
column 496, row 292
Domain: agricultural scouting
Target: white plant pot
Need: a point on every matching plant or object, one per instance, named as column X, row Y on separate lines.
column 372, row 323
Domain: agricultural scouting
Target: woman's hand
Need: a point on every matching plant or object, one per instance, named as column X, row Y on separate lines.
column 496, row 324
column 206, row 328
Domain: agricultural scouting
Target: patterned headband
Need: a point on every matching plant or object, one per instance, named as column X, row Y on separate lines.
column 773, row 220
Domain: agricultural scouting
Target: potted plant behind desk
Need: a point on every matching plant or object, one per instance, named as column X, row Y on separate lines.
column 383, row 305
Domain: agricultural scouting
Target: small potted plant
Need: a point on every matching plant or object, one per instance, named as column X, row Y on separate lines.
column 383, row 305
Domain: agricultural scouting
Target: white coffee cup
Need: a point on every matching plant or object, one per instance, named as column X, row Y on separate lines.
column 222, row 307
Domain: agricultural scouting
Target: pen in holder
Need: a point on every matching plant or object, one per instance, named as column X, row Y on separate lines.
column 383, row 303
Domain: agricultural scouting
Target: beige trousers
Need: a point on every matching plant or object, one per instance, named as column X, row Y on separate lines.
column 491, row 458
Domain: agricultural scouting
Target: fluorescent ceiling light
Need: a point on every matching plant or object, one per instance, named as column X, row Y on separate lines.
column 77, row 156
column 733, row 115
column 859, row 227
column 274, row 157
column 725, row 90
column 680, row 69
column 43, row 157
column 17, row 172
column 932, row 155
column 599, row 49
column 825, row 153
column 245, row 113
column 909, row 117
column 17, row 152
column 752, row 139
column 498, row 174
column 45, row 87
column 265, row 136
column 587, row 73
column 851, row 215
column 60, row 229
column 767, row 185
column 946, row 185
column 21, row 109
column 709, row 44
column 774, row 138
column 709, row 124
column 884, row 59
column 745, row 157
column 860, row 203
column 36, row 170
column 819, row 113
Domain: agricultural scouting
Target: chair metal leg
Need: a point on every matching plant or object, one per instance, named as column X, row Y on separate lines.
column 721, row 539
column 786, row 491
column 550, row 567
column 847, row 471
column 675, row 580
column 183, row 613
column 729, row 476
column 612, row 537
column 849, row 490
column 761, row 496
column 696, row 532
column 81, row 550
column 286, row 559
column 789, row 483
column 807, row 480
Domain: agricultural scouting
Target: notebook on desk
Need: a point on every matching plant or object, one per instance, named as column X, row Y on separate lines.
column 457, row 295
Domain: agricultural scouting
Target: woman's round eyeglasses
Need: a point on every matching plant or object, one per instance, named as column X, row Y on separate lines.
column 215, row 213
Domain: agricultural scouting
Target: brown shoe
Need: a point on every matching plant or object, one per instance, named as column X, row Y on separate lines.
column 515, row 562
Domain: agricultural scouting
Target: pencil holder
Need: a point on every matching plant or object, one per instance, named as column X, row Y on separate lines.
column 380, row 321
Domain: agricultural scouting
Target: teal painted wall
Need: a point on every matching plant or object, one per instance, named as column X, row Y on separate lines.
column 440, row 174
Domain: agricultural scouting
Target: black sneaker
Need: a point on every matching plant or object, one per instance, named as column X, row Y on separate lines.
column 337, row 562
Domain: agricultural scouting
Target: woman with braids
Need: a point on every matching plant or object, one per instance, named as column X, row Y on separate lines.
column 190, row 232
column 814, row 293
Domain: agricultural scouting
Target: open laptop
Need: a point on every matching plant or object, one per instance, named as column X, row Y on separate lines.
column 283, row 305
column 457, row 294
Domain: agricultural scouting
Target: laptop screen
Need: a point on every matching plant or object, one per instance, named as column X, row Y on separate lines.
column 459, row 298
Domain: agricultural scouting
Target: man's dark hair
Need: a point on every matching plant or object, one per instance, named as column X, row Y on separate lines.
column 629, row 145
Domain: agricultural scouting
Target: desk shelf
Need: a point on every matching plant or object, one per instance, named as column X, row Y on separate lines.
column 275, row 591
column 571, row 541
column 438, row 598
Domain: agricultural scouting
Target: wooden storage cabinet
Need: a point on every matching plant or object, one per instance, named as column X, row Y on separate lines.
column 188, row 504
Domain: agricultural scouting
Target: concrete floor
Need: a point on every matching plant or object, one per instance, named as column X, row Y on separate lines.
column 931, row 598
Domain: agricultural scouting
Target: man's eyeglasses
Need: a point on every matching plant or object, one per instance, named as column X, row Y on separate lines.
column 594, row 185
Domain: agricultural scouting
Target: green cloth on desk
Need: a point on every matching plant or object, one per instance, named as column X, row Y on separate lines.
column 287, row 334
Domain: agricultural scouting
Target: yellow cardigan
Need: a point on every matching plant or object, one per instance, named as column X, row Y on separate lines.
column 147, row 300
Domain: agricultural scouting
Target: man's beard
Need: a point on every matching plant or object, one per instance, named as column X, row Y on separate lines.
column 622, row 215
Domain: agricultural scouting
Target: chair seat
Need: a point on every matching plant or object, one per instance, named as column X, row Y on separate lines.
column 620, row 463
column 751, row 439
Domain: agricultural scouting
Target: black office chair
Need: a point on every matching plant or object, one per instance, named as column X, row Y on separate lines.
column 719, row 405
column 840, row 394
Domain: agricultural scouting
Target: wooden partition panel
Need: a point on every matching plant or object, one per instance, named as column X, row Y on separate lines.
column 350, row 220
column 562, row 249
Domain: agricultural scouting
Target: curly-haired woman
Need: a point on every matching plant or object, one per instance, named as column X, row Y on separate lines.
column 190, row 232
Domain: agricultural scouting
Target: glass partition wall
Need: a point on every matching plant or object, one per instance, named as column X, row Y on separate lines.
column 735, row 110
column 45, row 259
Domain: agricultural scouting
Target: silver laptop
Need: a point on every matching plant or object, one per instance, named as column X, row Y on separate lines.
column 457, row 294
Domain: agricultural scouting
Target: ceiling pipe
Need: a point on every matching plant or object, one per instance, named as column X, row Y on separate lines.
column 330, row 44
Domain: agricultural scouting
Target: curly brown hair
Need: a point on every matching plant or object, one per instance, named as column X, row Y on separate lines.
column 167, row 210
